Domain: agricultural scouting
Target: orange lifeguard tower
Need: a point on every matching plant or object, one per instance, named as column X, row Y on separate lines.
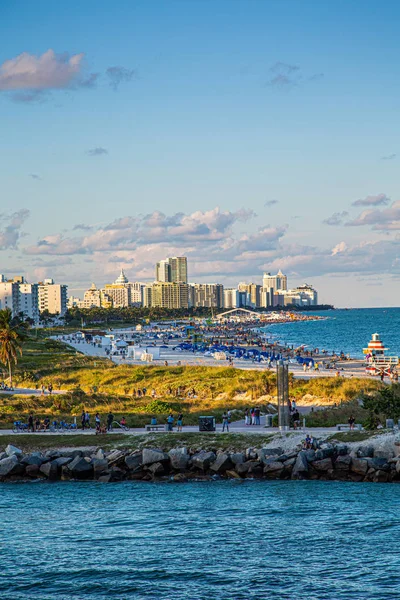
column 376, row 359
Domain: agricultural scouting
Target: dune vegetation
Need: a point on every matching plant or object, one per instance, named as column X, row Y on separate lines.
column 98, row 385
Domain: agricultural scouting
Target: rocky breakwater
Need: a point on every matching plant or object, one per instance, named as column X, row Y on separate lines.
column 328, row 461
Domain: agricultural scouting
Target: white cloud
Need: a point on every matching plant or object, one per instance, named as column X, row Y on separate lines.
column 45, row 72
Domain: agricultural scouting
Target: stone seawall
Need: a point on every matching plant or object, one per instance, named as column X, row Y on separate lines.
column 328, row 461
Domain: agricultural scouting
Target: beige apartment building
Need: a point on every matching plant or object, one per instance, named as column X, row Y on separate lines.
column 170, row 295
column 52, row 297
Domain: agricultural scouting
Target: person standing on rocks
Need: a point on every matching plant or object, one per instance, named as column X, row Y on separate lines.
column 225, row 422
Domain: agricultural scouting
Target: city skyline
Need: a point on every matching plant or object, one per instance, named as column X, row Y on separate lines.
column 228, row 134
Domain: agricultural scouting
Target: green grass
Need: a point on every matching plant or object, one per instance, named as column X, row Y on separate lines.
column 99, row 385
column 353, row 436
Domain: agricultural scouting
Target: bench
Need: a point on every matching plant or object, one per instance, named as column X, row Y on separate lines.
column 357, row 426
column 155, row 427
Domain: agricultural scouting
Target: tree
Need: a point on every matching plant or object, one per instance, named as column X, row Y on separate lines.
column 384, row 404
column 12, row 333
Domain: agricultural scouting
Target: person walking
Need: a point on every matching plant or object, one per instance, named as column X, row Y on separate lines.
column 179, row 422
column 225, row 422
column 97, row 421
column 110, row 419
column 170, row 422
column 83, row 420
column 31, row 425
column 246, row 417
column 87, row 420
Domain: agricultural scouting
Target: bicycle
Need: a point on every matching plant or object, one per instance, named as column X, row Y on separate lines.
column 20, row 427
column 124, row 427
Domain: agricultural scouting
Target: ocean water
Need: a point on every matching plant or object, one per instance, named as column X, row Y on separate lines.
column 347, row 330
column 216, row 540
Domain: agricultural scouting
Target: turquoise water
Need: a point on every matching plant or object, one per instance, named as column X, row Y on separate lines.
column 347, row 330
column 220, row 540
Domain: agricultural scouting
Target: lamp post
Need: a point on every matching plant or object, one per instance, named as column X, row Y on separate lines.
column 282, row 380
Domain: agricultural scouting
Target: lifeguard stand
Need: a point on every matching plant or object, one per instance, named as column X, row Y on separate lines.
column 376, row 358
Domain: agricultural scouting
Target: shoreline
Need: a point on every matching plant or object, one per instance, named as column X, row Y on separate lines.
column 376, row 460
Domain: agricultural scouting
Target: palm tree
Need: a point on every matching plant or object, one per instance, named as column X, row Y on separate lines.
column 11, row 337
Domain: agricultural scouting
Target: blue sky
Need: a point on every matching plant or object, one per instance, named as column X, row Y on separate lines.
column 249, row 135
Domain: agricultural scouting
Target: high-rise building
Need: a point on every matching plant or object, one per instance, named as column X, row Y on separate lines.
column 163, row 271
column 9, row 296
column 178, row 267
column 170, row 295
column 266, row 297
column 137, row 293
column 94, row 297
column 147, row 295
column 29, row 300
column 207, row 295
column 119, row 291
column 52, row 297
column 278, row 282
column 172, row 269
column 231, row 298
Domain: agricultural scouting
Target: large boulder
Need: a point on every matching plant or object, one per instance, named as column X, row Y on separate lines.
column 365, row 451
column 325, row 451
column 382, row 453
column 133, row 461
column 13, row 451
column 287, row 456
column 342, row 449
column 32, row 471
column 80, row 468
column 309, row 455
column 238, row 458
column 156, row 468
column 243, row 468
column 381, row 476
column 359, row 466
column 151, row 456
column 273, row 469
column 343, row 462
column 378, row 464
column 290, row 462
column 99, row 466
column 36, row 458
column 251, row 454
column 9, row 465
column 116, row 457
column 300, row 468
column 72, row 453
column 203, row 460
column 265, row 453
column 222, row 463
column 61, row 461
column 49, row 469
column 179, row 458
column 323, row 465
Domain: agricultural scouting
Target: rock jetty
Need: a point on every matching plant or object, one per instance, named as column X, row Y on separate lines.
column 327, row 461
